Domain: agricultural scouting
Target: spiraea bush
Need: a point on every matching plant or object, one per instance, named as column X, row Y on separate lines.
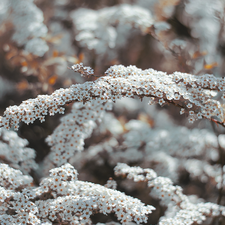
column 112, row 112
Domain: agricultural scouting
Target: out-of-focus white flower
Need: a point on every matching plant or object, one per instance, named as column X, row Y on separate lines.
column 28, row 24
column 107, row 29
column 37, row 46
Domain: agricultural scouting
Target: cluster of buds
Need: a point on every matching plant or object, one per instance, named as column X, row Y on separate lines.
column 85, row 71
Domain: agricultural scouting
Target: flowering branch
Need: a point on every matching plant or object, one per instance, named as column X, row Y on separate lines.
column 162, row 188
column 193, row 94
column 68, row 137
column 62, row 198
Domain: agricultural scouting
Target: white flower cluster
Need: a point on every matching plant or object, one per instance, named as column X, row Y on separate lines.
column 163, row 188
column 108, row 28
column 86, row 198
column 27, row 20
column 16, row 208
column 61, row 197
column 68, row 137
column 85, row 71
column 33, row 109
column 191, row 213
column 14, row 152
column 111, row 183
column 194, row 94
column 12, row 179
